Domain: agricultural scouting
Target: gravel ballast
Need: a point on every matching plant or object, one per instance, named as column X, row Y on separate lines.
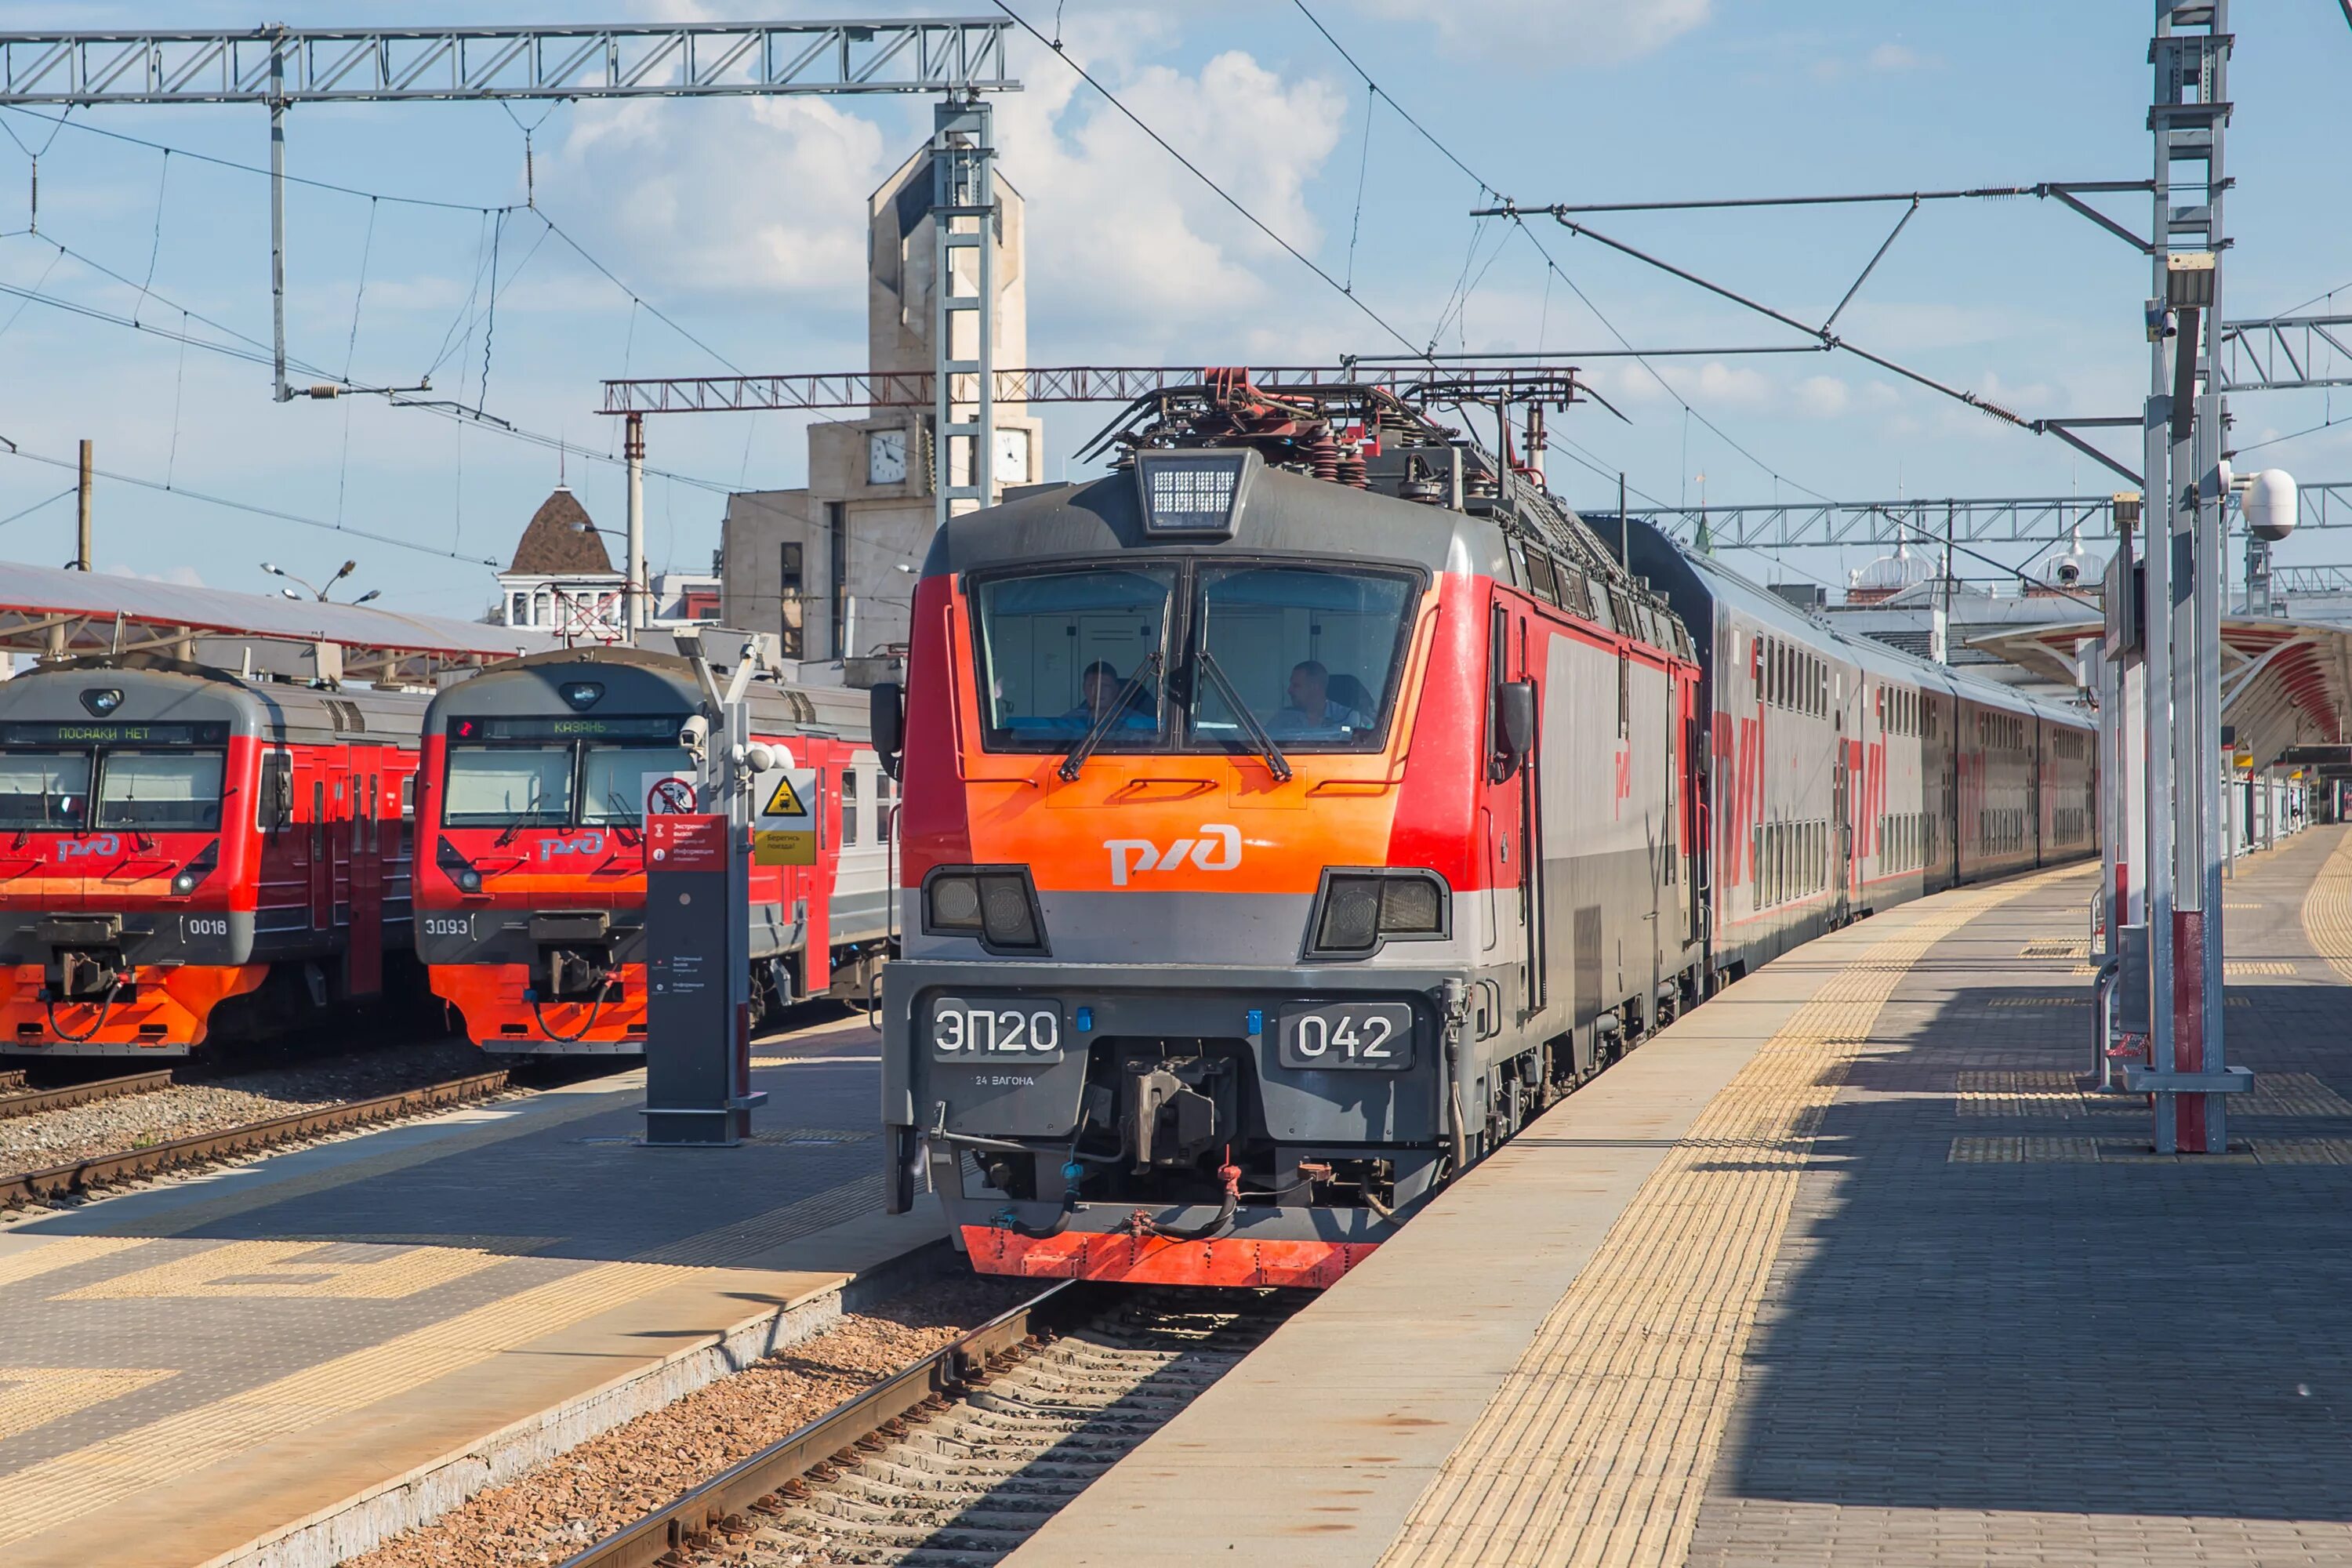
column 615, row 1479
column 185, row 1110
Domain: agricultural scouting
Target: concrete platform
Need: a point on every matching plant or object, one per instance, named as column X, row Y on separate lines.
column 287, row 1362
column 1839, row 1270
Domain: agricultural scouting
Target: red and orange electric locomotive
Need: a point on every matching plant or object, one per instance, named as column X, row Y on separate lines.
column 538, row 776
column 187, row 850
column 1292, row 813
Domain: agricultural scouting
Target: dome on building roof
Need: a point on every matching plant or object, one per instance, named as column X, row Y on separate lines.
column 1891, row 574
column 559, row 539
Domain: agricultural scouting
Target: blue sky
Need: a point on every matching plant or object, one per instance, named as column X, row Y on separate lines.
column 741, row 222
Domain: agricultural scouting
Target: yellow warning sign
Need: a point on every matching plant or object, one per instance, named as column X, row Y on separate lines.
column 785, row 801
column 782, row 846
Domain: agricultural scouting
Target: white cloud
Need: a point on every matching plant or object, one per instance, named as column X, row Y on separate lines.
column 1894, row 58
column 761, row 196
column 1542, row 34
column 1823, row 396
column 1116, row 221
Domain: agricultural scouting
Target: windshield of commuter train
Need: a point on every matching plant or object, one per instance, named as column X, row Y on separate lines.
column 506, row 787
column 614, row 781
column 160, row 792
column 45, row 790
column 1061, row 651
column 1306, row 651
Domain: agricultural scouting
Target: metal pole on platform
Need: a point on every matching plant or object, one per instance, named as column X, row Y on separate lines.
column 278, row 212
column 2186, row 1071
column 81, row 526
column 633, row 597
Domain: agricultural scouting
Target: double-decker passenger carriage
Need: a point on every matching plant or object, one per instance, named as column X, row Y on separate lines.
column 1846, row 776
column 1288, row 815
column 538, row 774
column 190, row 853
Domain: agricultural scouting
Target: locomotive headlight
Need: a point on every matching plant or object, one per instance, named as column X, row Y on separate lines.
column 1005, row 918
column 101, row 702
column 184, row 883
column 955, row 902
column 582, row 694
column 1357, row 911
column 469, row 880
column 995, row 903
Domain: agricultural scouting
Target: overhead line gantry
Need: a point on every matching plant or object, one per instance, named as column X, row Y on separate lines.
column 959, row 57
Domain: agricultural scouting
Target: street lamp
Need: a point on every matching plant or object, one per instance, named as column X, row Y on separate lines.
column 317, row 592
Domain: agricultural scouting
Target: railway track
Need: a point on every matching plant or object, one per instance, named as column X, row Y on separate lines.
column 98, row 1171
column 956, row 1461
column 16, row 1100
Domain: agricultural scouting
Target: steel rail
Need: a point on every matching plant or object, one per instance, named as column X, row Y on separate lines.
column 929, row 1383
column 31, row 1186
column 35, row 1101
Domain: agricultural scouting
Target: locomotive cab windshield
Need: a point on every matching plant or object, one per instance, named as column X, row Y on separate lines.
column 1303, row 652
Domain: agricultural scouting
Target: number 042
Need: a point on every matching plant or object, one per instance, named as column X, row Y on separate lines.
column 1366, row 1041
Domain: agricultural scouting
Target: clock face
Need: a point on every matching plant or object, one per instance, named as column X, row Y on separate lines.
column 1011, row 457
column 886, row 457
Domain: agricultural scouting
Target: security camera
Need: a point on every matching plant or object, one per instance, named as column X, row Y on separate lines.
column 694, row 734
column 759, row 756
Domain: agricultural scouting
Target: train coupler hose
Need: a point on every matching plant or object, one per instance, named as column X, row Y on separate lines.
column 1144, row 1225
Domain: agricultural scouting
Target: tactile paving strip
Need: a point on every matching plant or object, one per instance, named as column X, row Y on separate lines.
column 2327, row 910
column 1598, row 1446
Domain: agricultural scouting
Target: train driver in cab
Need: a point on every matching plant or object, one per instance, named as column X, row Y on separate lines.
column 1099, row 685
column 1314, row 705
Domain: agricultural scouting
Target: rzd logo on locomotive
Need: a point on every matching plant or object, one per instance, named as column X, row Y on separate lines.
column 1218, row 848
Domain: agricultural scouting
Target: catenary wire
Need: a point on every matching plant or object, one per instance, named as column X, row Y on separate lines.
column 1197, row 173
column 1551, row 265
column 270, row 511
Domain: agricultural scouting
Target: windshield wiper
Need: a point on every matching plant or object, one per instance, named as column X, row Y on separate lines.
column 621, row 827
column 1114, row 714
column 1276, row 762
column 522, row 819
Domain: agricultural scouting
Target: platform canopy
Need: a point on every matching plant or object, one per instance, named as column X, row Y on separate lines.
column 44, row 610
column 2286, row 686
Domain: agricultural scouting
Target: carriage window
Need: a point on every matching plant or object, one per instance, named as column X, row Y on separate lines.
column 176, row 791
column 44, row 790
column 615, row 780
column 1310, row 649
column 848, row 807
column 500, row 787
column 1057, row 649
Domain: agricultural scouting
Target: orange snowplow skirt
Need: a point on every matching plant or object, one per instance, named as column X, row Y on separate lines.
column 490, row 998
column 173, row 1008
column 1157, row 1260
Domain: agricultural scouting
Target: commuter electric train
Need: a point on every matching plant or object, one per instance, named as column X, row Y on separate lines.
column 537, row 777
column 1294, row 813
column 187, row 850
